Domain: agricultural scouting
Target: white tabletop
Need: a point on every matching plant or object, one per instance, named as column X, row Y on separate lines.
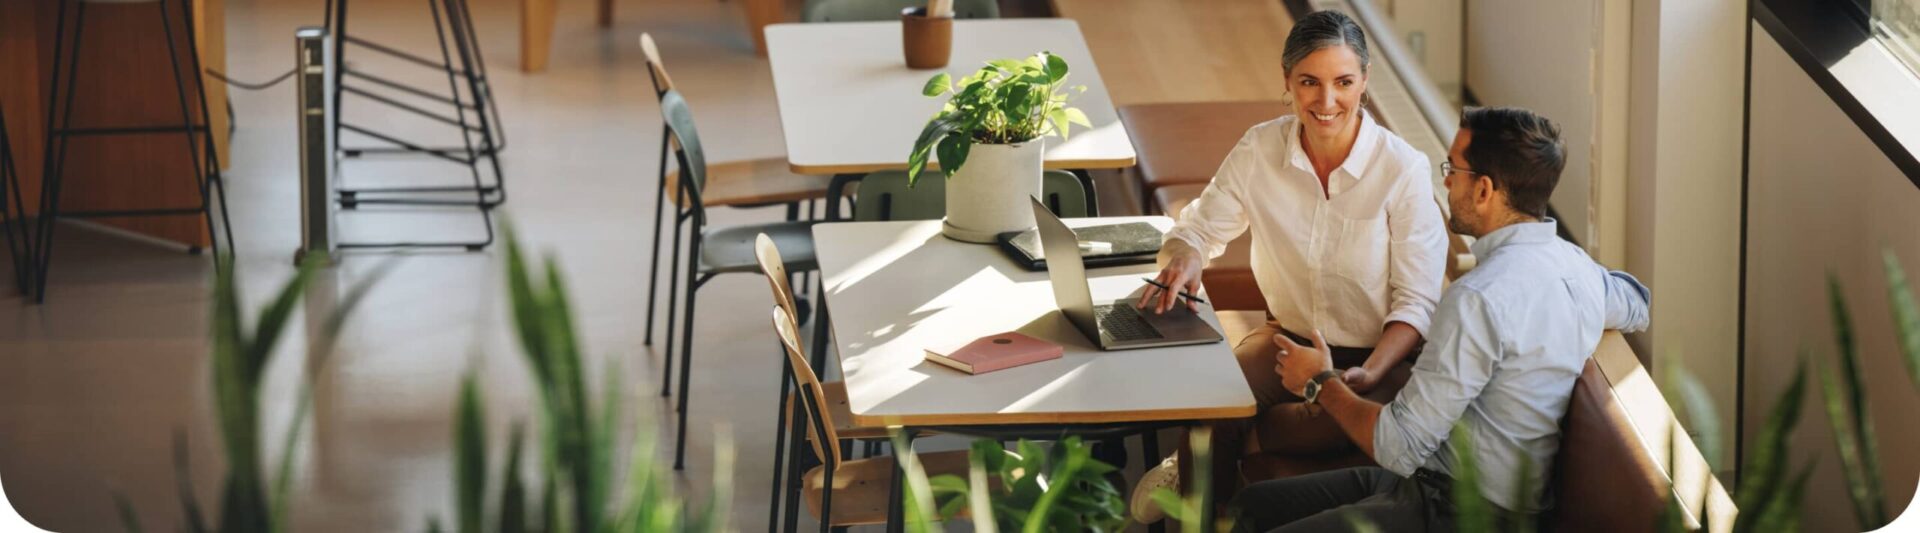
column 849, row 104
column 897, row 288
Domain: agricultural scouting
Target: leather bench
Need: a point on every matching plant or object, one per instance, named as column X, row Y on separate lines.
column 1609, row 473
column 1182, row 143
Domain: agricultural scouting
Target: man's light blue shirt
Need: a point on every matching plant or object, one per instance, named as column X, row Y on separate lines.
column 1508, row 341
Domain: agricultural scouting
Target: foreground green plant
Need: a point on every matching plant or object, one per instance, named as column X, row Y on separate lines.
column 1039, row 488
column 241, row 356
column 1010, row 101
column 577, row 438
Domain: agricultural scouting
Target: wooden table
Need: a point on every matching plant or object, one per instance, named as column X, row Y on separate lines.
column 849, row 104
column 898, row 287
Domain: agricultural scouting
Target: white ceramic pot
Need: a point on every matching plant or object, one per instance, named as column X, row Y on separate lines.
column 988, row 195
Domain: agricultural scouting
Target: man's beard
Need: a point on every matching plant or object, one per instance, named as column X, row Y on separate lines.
column 1457, row 222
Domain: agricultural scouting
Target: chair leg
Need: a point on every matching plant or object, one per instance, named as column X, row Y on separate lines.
column 826, row 502
column 796, row 469
column 779, row 445
column 659, row 208
column 686, row 352
column 821, row 317
column 673, row 292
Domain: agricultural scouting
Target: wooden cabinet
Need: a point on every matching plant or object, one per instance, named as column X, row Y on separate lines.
column 123, row 81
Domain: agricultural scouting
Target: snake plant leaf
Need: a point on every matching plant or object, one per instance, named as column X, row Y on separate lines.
column 513, row 497
column 195, row 520
column 1764, row 473
column 273, row 320
column 1701, row 416
column 470, row 458
column 1473, row 511
column 1906, row 314
column 129, row 520
column 917, row 498
column 1862, row 467
column 527, row 311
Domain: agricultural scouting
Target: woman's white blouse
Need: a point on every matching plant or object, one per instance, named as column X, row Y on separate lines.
column 1373, row 253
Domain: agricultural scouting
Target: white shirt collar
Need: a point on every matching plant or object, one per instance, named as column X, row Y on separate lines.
column 1364, row 146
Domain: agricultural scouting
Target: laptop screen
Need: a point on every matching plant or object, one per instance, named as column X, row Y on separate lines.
column 1065, row 269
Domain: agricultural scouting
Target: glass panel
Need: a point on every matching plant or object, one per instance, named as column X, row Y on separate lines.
column 1897, row 23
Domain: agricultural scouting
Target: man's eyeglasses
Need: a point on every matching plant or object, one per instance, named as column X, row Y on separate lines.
column 1447, row 169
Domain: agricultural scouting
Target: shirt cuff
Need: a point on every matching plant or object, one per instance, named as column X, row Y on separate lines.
column 1412, row 317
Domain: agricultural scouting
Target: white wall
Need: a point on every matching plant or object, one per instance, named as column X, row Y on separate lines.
column 1538, row 55
column 1683, row 186
column 1822, row 198
column 1648, row 96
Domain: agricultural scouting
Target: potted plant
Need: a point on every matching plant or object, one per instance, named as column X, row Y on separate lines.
column 989, row 137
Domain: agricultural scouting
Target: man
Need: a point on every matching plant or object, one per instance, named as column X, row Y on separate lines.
column 1508, row 341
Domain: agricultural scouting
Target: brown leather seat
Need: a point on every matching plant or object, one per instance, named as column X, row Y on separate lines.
column 1176, row 143
column 1229, row 278
column 1603, row 478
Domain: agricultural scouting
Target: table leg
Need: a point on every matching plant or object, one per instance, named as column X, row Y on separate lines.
column 761, row 13
column 606, row 13
column 896, row 501
column 536, row 34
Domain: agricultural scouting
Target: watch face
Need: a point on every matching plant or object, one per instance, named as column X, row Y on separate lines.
column 1313, row 390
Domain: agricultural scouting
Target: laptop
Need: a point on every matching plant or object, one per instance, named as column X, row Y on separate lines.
column 1113, row 325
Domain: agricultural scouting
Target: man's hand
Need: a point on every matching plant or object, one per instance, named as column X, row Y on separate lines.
column 1297, row 364
column 1181, row 272
column 1360, row 379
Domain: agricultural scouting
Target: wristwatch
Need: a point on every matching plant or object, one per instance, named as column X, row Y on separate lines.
column 1313, row 385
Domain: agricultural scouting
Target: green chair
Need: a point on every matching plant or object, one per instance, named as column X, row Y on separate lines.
column 712, row 250
column 871, row 10
column 886, row 196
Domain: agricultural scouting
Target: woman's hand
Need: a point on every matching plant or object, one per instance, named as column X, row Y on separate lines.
column 1180, row 271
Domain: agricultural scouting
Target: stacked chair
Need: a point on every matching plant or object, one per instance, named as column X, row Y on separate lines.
column 711, row 250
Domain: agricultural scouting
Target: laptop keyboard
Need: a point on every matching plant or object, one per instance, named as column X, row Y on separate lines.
column 1122, row 322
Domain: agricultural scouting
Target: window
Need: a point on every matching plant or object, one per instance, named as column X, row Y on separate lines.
column 1897, row 24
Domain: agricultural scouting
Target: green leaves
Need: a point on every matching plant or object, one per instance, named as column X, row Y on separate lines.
column 938, row 85
column 1848, row 411
column 1009, row 101
column 470, row 458
column 1762, row 478
column 1906, row 314
column 1040, row 488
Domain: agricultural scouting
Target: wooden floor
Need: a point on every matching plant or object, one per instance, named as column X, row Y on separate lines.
column 1185, row 51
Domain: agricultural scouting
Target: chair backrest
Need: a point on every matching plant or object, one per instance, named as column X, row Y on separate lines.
column 886, row 196
column 826, row 442
column 776, row 272
column 656, row 70
column 692, row 159
column 871, row 10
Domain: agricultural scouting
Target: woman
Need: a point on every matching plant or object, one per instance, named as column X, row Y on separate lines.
column 1347, row 242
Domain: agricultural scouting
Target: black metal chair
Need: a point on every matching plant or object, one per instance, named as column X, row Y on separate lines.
column 753, row 186
column 712, row 250
column 12, row 212
column 206, row 163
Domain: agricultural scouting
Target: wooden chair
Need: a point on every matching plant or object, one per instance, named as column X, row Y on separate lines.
column 886, row 196
column 841, row 492
column 781, row 284
column 740, row 184
column 870, row 10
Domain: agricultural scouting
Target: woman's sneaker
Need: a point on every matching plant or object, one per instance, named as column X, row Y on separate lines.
column 1167, row 476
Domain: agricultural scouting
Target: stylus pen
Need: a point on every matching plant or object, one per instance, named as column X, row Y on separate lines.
column 1183, row 294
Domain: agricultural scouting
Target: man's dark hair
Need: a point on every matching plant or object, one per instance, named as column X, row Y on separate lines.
column 1520, row 151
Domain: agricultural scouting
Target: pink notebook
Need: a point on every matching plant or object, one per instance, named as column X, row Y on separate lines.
column 995, row 352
